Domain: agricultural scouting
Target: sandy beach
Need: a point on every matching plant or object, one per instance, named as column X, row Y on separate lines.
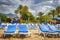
column 34, row 36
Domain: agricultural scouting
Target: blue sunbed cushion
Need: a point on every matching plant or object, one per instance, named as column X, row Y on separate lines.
column 45, row 23
column 52, row 27
column 44, row 28
column 32, row 26
column 22, row 28
column 3, row 26
column 58, row 25
column 11, row 29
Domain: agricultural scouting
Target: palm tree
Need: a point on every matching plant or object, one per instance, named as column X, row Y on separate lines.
column 58, row 10
column 40, row 14
column 53, row 13
column 25, row 9
column 19, row 9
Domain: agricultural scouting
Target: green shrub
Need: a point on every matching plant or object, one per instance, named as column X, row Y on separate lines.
column 23, row 21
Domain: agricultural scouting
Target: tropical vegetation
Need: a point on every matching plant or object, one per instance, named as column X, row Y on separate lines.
column 3, row 17
column 26, row 15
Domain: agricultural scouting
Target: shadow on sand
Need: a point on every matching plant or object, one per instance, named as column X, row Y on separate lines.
column 14, row 36
column 50, row 35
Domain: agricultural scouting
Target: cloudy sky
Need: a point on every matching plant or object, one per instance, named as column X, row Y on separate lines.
column 8, row 6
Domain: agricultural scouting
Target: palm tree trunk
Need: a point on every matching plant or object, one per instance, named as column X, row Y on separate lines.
column 53, row 15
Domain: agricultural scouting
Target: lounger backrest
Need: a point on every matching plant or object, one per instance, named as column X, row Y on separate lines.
column 45, row 23
column 22, row 27
column 11, row 27
column 14, row 21
column 52, row 27
column 34, row 25
column 30, row 26
column 43, row 28
column 58, row 25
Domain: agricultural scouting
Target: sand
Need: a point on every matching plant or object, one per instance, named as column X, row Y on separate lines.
column 34, row 36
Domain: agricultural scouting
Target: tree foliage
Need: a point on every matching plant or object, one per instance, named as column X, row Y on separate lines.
column 26, row 15
column 3, row 17
column 40, row 17
column 24, row 12
column 58, row 11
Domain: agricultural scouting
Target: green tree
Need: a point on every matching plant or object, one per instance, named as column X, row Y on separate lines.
column 46, row 17
column 25, row 9
column 52, row 12
column 18, row 10
column 24, row 16
column 21, row 9
column 58, row 10
column 3, row 17
column 40, row 16
column 27, row 16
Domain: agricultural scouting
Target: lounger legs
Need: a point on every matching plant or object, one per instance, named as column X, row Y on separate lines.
column 58, row 34
column 29, row 34
column 18, row 36
column 4, row 35
column 45, row 36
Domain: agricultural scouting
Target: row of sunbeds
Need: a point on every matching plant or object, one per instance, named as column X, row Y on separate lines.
column 23, row 29
column 32, row 26
column 48, row 29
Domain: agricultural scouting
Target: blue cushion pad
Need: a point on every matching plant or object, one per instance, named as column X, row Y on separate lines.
column 9, row 31
column 3, row 26
column 23, row 31
column 22, row 28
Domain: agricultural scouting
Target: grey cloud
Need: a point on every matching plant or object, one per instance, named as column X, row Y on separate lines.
column 8, row 5
column 35, row 5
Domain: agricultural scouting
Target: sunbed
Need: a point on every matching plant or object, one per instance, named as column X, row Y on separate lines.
column 46, row 30
column 53, row 28
column 22, row 29
column 58, row 25
column 3, row 25
column 31, row 26
column 43, row 29
column 10, row 30
column 34, row 26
